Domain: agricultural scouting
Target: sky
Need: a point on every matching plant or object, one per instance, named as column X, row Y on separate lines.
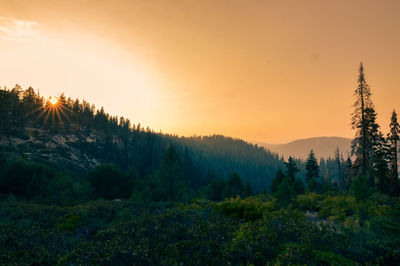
column 269, row 71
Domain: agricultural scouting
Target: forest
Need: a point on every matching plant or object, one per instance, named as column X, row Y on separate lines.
column 80, row 186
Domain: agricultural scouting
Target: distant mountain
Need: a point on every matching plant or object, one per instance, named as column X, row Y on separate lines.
column 322, row 146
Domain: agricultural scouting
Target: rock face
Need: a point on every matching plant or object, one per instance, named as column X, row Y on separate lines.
column 67, row 151
column 323, row 147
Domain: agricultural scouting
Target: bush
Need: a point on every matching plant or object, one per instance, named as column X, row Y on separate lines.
column 249, row 209
column 69, row 223
column 310, row 201
column 338, row 208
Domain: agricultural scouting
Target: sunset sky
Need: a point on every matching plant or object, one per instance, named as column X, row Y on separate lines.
column 271, row 71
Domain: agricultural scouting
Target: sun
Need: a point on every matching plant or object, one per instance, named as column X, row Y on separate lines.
column 53, row 101
column 54, row 111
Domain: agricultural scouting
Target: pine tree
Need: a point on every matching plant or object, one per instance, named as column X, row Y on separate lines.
column 312, row 168
column 381, row 170
column 171, row 171
column 393, row 140
column 348, row 173
column 368, row 144
column 360, row 144
column 189, row 170
column 234, row 186
column 276, row 181
column 292, row 168
column 377, row 166
column 339, row 162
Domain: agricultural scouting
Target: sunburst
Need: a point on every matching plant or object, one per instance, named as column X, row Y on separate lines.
column 53, row 101
column 54, row 111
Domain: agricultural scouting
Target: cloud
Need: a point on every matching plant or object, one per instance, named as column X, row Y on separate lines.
column 12, row 29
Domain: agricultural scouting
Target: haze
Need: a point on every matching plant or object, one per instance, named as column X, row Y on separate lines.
column 271, row 71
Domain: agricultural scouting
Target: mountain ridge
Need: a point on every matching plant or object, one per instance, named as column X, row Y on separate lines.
column 323, row 146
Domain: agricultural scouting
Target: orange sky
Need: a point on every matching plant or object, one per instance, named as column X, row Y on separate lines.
column 271, row 71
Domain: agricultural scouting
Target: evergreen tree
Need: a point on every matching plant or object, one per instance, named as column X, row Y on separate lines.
column 276, row 181
column 381, row 170
column 188, row 169
column 312, row 172
column 215, row 189
column 285, row 187
column 361, row 143
column 298, row 186
column 393, row 140
column 368, row 144
column 348, row 173
column 234, row 186
column 339, row 163
column 286, row 191
column 4, row 111
column 377, row 151
column 171, row 171
column 292, row 168
column 312, row 168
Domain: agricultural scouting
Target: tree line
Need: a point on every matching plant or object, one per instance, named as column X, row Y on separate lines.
column 205, row 162
column 371, row 166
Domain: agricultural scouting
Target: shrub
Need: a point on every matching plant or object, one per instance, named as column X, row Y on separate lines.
column 310, row 201
column 249, row 209
column 68, row 223
column 338, row 208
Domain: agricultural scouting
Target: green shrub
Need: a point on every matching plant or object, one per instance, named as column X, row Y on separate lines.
column 68, row 223
column 249, row 209
column 337, row 208
column 310, row 201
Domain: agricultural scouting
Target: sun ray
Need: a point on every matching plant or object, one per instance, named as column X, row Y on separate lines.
column 59, row 118
column 46, row 118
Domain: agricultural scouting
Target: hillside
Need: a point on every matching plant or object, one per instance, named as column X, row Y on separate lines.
column 74, row 137
column 322, row 146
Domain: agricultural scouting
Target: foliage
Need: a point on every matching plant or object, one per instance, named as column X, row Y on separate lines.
column 109, row 182
column 36, row 181
column 393, row 138
column 235, row 231
column 249, row 209
column 361, row 188
column 85, row 136
column 312, row 167
column 286, row 186
column 191, row 199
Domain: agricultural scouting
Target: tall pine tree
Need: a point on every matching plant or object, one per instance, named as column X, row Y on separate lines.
column 393, row 140
column 363, row 101
column 368, row 145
